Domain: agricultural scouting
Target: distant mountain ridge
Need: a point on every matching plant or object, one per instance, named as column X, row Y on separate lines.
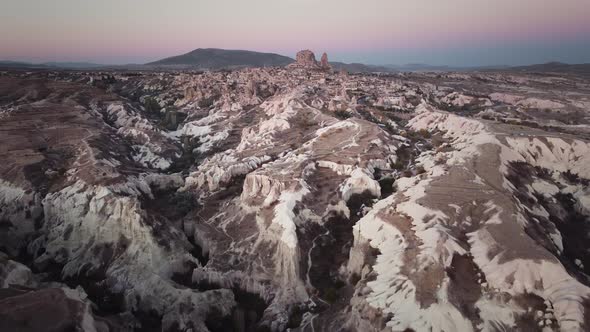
column 73, row 64
column 422, row 67
column 556, row 67
column 49, row 65
column 214, row 58
column 19, row 64
column 360, row 67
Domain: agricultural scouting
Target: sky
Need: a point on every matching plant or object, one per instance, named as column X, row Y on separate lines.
column 438, row 32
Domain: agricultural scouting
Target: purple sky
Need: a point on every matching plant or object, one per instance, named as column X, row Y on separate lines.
column 453, row 32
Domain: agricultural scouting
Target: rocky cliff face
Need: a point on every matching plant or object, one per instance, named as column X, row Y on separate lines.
column 324, row 62
column 276, row 199
column 306, row 60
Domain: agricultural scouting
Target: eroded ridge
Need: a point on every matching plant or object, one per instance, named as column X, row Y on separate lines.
column 294, row 198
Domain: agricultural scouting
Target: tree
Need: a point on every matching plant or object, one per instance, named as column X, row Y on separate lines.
column 151, row 105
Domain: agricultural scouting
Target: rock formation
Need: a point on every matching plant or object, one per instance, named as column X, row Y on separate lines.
column 306, row 60
column 277, row 199
column 324, row 64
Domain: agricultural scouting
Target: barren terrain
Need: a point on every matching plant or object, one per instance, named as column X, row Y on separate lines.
column 267, row 199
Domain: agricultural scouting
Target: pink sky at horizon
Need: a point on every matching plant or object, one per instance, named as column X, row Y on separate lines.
column 70, row 30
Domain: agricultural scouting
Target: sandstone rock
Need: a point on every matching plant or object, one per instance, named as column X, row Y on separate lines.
column 324, row 62
column 46, row 310
column 251, row 88
column 14, row 274
column 305, row 60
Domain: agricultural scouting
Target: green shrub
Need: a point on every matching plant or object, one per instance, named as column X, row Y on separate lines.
column 330, row 295
column 424, row 133
column 184, row 202
column 343, row 115
column 151, row 105
column 420, row 170
column 398, row 165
